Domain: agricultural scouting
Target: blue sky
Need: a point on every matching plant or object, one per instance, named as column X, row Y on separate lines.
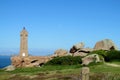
column 54, row 24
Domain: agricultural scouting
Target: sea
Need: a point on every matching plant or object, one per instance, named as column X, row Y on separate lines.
column 4, row 61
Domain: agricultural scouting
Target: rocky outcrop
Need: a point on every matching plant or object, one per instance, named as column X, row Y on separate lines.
column 16, row 61
column 79, row 50
column 30, row 61
column 106, row 44
column 90, row 58
column 76, row 50
column 60, row 52
column 76, row 47
column 35, row 61
column 83, row 52
column 79, row 45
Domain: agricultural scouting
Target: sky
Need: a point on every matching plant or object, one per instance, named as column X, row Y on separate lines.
column 55, row 24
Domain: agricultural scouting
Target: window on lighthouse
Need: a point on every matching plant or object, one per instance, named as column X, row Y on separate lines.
column 23, row 54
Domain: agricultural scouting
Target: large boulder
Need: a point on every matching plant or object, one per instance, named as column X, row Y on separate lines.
column 60, row 52
column 76, row 47
column 79, row 45
column 79, row 53
column 106, row 44
column 90, row 58
column 83, row 52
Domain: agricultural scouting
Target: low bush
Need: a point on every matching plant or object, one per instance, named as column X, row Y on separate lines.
column 108, row 55
column 65, row 60
column 113, row 55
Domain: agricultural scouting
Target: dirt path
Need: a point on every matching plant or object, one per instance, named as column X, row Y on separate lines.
column 113, row 65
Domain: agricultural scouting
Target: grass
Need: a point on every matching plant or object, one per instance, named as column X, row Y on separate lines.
column 115, row 62
column 50, row 68
column 65, row 72
column 45, row 72
column 104, row 68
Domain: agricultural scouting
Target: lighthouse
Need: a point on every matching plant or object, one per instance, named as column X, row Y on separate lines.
column 23, row 43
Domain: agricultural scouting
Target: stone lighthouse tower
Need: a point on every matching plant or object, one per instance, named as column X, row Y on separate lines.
column 23, row 43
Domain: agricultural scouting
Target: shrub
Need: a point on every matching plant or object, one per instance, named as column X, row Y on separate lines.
column 65, row 60
column 108, row 55
column 113, row 55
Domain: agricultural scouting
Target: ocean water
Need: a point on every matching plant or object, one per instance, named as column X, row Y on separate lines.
column 4, row 61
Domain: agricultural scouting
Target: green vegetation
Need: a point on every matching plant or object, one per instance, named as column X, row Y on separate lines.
column 34, row 70
column 65, row 60
column 63, row 72
column 108, row 55
column 113, row 55
column 115, row 62
column 68, row 68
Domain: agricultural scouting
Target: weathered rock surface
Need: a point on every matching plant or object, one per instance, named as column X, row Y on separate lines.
column 60, row 52
column 106, row 44
column 9, row 68
column 79, row 50
column 77, row 47
column 16, row 61
column 30, row 61
column 83, row 52
column 90, row 58
column 85, row 71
